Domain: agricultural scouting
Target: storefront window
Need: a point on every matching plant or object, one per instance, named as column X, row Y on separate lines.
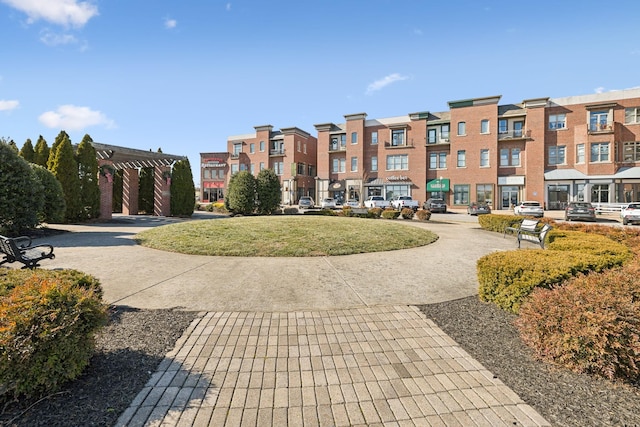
column 600, row 193
column 558, row 196
column 396, row 190
column 460, row 194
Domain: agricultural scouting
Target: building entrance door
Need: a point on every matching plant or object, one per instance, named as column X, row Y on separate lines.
column 509, row 196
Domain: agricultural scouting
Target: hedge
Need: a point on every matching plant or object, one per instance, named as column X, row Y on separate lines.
column 48, row 320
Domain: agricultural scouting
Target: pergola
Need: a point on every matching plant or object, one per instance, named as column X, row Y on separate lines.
column 130, row 161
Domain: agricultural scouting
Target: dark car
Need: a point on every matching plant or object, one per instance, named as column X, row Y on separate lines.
column 476, row 208
column 580, row 210
column 435, row 205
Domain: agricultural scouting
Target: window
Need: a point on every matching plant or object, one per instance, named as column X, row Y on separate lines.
column 207, row 174
column 343, row 141
column 261, row 145
column 243, row 167
column 580, row 153
column 234, row 168
column 252, row 168
column 354, row 164
column 400, row 162
column 484, row 158
column 354, row 137
column 462, row 159
column 338, row 165
column 462, row 128
column 484, row 193
column 374, row 138
column 261, row 165
column 278, row 168
column 632, row 115
column 299, row 146
column 503, row 126
column 237, row 149
column 252, row 148
column 557, row 155
column 334, row 144
column 515, row 157
column 397, row 137
column 557, row 121
column 433, row 160
column 304, row 148
column 312, row 170
column 374, row 163
column 517, row 129
column 599, row 121
column 444, row 133
column 460, row 194
column 484, row 126
column 300, row 168
column 431, row 136
column 504, row 157
column 631, row 151
column 600, row 152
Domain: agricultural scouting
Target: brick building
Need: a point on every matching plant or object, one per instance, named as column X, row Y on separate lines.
column 552, row 150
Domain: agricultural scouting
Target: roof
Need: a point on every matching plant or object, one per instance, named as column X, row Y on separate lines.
column 131, row 158
column 568, row 174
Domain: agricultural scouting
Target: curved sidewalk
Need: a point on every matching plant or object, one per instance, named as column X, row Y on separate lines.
column 304, row 341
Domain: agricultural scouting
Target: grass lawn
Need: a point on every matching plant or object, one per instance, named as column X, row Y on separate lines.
column 283, row 236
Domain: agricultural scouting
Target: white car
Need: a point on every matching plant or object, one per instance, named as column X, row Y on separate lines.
column 328, row 203
column 529, row 208
column 630, row 213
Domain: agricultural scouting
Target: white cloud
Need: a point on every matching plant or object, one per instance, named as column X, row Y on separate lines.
column 53, row 39
column 599, row 89
column 62, row 12
column 8, row 105
column 385, row 81
column 170, row 23
column 71, row 117
column 228, row 7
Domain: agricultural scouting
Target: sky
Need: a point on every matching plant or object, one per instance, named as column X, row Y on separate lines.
column 183, row 76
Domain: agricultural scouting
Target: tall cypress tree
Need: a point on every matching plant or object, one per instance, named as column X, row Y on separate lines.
column 61, row 137
column 145, row 191
column 65, row 169
column 42, row 152
column 27, row 152
column 183, row 191
column 88, row 175
column 14, row 146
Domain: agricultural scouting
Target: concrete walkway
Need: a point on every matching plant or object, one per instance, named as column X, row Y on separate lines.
column 324, row 341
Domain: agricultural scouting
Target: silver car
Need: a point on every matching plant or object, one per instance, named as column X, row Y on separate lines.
column 529, row 208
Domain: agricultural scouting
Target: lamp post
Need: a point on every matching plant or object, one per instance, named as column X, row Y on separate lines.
column 440, row 187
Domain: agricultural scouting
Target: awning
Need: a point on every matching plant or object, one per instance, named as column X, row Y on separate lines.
column 438, row 185
column 336, row 186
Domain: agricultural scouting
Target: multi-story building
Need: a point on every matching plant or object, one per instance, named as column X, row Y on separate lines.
column 290, row 152
column 214, row 170
column 552, row 150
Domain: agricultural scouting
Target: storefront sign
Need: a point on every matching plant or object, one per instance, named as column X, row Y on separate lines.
column 213, row 184
column 213, row 162
column 394, row 178
column 511, row 180
column 438, row 185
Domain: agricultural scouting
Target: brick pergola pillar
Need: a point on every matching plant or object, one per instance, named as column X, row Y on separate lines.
column 161, row 191
column 106, row 173
column 130, row 190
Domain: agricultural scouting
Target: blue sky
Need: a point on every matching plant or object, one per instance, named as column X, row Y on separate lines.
column 183, row 76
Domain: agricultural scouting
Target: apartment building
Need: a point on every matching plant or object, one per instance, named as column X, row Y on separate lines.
column 214, row 170
column 553, row 150
column 290, row 152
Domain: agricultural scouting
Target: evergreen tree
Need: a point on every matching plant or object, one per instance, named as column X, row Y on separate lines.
column 13, row 146
column 183, row 191
column 27, row 152
column 145, row 191
column 117, row 192
column 20, row 192
column 52, row 153
column 268, row 191
column 88, row 175
column 42, row 152
column 54, row 206
column 241, row 194
column 65, row 169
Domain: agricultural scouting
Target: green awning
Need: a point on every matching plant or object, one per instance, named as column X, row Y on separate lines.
column 438, row 185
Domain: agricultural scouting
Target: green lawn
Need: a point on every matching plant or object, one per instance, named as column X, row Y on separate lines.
column 283, row 236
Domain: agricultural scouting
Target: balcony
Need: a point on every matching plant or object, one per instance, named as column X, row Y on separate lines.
column 235, row 156
column 601, row 128
column 407, row 144
column 513, row 134
column 276, row 152
column 335, row 147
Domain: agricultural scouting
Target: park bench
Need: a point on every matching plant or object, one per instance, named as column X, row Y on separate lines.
column 530, row 231
column 22, row 250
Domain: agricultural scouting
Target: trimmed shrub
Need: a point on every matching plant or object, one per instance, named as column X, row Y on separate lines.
column 268, row 191
column 375, row 212
column 497, row 223
column 423, row 215
column 290, row 211
column 390, row 214
column 183, row 196
column 47, row 325
column 507, row 278
column 54, row 206
column 589, row 325
column 407, row 213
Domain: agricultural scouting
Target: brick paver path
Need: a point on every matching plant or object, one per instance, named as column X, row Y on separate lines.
column 383, row 365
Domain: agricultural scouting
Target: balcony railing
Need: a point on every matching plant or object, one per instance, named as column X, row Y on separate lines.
column 277, row 152
column 406, row 144
column 337, row 147
column 513, row 134
column 235, row 156
column 601, row 127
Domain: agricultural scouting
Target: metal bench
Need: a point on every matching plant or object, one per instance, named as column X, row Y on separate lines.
column 528, row 230
column 21, row 249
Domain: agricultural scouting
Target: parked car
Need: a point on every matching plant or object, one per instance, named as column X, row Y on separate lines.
column 580, row 210
column 529, row 208
column 401, row 202
column 435, row 205
column 306, row 202
column 630, row 214
column 478, row 208
column 376, row 202
column 353, row 203
column 328, row 203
